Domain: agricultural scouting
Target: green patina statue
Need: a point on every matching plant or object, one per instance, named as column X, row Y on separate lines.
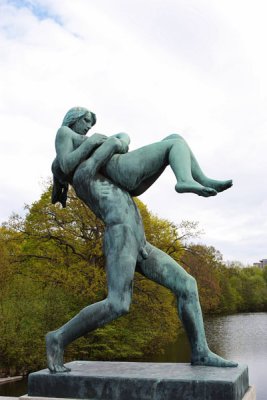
column 106, row 176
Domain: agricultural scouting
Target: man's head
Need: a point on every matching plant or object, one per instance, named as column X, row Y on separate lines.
column 79, row 119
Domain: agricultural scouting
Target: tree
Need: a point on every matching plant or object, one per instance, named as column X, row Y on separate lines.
column 253, row 289
column 203, row 263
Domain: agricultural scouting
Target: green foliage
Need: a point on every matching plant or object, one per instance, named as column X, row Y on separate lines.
column 265, row 273
column 27, row 312
column 161, row 232
column 204, row 264
column 253, row 289
column 225, row 289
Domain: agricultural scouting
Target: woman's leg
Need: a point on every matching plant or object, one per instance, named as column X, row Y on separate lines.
column 161, row 268
column 137, row 170
column 121, row 254
column 197, row 172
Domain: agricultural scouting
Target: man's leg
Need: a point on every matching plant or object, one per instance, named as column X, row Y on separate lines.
column 121, row 254
column 162, row 269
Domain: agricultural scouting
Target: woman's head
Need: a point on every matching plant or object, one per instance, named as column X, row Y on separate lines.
column 79, row 119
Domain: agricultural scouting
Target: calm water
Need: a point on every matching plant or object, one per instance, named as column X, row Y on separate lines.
column 243, row 338
column 240, row 337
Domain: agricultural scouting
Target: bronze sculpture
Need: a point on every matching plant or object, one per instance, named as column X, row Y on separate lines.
column 105, row 176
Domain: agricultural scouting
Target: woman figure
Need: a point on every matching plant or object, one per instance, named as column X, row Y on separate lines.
column 79, row 160
column 135, row 171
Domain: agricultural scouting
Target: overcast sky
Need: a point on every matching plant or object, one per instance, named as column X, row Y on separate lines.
column 148, row 68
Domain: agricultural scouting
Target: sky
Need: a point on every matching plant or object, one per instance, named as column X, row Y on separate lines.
column 149, row 68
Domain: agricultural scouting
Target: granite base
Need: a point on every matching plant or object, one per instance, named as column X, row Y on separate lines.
column 140, row 381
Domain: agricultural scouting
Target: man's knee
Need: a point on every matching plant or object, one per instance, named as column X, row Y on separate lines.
column 119, row 307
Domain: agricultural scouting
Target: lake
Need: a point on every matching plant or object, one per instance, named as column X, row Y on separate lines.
column 239, row 337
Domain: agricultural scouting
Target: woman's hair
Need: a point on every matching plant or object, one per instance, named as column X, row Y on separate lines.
column 76, row 113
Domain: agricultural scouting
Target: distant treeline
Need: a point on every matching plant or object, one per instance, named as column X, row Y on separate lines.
column 51, row 266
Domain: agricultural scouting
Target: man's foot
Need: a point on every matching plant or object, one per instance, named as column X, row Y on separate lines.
column 54, row 352
column 195, row 187
column 211, row 359
column 219, row 186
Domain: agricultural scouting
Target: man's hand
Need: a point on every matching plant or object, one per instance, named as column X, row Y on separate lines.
column 119, row 146
column 124, row 139
column 97, row 139
column 123, row 148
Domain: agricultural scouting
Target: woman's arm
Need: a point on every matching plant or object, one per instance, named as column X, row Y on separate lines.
column 69, row 158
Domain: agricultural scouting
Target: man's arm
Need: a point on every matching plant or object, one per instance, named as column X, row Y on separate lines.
column 103, row 153
column 69, row 158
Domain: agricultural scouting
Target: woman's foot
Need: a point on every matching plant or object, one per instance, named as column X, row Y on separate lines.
column 219, row 186
column 194, row 187
column 210, row 359
column 54, row 352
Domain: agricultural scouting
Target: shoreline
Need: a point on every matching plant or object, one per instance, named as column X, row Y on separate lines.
column 10, row 379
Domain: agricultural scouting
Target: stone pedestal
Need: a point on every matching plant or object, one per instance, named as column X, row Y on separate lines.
column 140, row 381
